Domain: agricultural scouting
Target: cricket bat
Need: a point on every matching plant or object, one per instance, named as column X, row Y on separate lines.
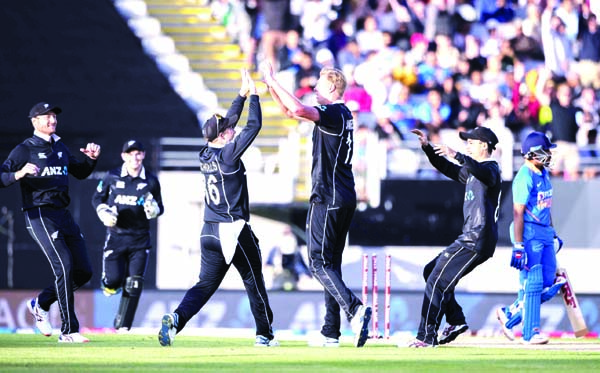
column 573, row 310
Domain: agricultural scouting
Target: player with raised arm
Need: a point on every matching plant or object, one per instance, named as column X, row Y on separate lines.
column 477, row 243
column 126, row 199
column 333, row 197
column 535, row 242
column 226, row 237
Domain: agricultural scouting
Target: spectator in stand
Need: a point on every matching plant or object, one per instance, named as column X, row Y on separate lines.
column 470, row 114
column 403, row 71
column 478, row 89
column 315, row 23
column 567, row 12
column 324, row 58
column 307, row 75
column 275, row 14
column 447, row 54
column 587, row 117
column 337, row 39
column 399, row 109
column 557, row 48
column 438, row 19
column 473, row 53
column 527, row 49
column 252, row 8
column 375, row 77
column 428, row 71
column 494, row 77
column 564, row 134
column 419, row 45
column 589, row 55
column 357, row 94
column 432, row 115
column 369, row 37
column 350, row 55
column 532, row 22
column 288, row 55
column 449, row 93
column 504, row 12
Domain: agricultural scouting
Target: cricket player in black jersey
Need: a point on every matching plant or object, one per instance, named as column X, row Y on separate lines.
column 226, row 237
column 42, row 164
column 332, row 200
column 125, row 201
column 477, row 243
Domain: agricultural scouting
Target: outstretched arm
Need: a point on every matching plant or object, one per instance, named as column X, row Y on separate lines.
column 289, row 104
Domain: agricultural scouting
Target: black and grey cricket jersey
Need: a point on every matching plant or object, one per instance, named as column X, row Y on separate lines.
column 226, row 189
column 481, row 199
column 128, row 194
column 333, row 146
column 50, row 187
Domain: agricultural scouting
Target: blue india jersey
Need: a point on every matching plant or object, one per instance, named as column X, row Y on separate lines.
column 534, row 190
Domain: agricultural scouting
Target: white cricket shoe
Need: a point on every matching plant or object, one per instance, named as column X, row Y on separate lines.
column 262, row 341
column 503, row 319
column 360, row 325
column 322, row 341
column 42, row 320
column 536, row 339
column 72, row 338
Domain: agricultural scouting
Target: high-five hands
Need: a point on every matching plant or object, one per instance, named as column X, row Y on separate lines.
column 267, row 72
column 248, row 85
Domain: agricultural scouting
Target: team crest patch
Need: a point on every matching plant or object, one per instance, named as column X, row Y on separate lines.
column 120, row 184
column 59, row 155
column 42, row 156
column 140, row 186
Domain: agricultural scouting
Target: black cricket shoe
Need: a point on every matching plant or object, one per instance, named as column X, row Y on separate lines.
column 451, row 332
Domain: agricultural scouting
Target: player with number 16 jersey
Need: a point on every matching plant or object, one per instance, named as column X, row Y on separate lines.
column 226, row 237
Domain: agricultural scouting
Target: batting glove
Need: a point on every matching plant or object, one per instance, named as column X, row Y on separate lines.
column 558, row 244
column 151, row 209
column 519, row 257
column 108, row 215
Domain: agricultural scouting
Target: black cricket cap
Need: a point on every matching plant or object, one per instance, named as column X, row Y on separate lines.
column 217, row 124
column 482, row 134
column 133, row 145
column 42, row 108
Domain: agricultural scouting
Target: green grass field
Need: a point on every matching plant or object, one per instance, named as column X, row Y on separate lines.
column 142, row 353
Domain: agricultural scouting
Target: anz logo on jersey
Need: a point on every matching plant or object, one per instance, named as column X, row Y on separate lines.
column 55, row 171
column 123, row 199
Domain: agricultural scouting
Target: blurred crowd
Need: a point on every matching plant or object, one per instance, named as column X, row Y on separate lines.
column 441, row 66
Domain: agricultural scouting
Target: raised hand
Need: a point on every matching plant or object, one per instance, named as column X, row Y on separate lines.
column 245, row 88
column 91, row 150
column 422, row 137
column 251, row 85
column 267, row 72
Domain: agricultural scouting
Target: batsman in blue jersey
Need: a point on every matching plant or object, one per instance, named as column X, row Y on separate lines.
column 534, row 240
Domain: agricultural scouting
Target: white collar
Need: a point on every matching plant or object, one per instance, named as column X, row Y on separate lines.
column 124, row 172
column 46, row 137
